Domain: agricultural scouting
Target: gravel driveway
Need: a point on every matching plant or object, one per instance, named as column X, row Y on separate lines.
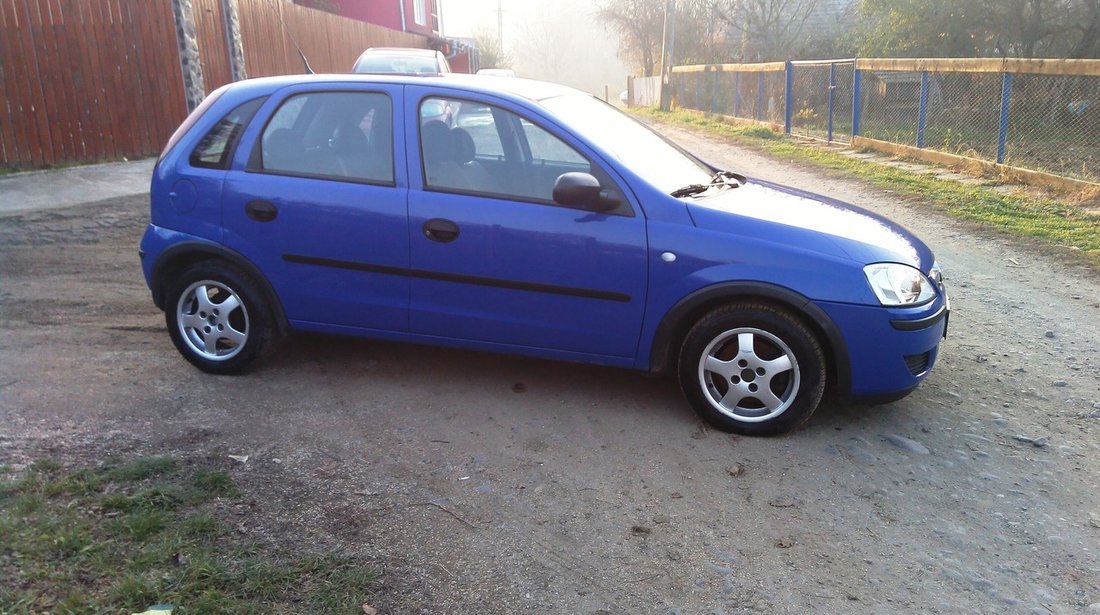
column 483, row 484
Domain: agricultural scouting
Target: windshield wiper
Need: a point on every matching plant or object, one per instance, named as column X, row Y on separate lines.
column 690, row 189
column 728, row 179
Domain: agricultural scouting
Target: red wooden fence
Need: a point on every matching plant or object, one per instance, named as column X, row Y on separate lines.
column 331, row 43
column 212, row 41
column 86, row 80
column 93, row 80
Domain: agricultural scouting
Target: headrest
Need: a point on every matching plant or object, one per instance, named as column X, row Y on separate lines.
column 465, row 150
column 436, row 140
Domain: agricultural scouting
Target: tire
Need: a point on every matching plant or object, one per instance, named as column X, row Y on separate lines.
column 753, row 369
column 215, row 339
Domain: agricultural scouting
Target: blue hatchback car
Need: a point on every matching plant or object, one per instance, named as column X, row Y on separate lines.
column 533, row 219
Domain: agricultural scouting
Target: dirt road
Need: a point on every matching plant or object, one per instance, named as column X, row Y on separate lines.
column 495, row 485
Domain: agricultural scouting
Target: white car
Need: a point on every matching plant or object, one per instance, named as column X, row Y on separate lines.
column 497, row 72
column 405, row 60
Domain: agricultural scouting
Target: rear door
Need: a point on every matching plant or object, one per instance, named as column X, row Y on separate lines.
column 318, row 204
column 494, row 259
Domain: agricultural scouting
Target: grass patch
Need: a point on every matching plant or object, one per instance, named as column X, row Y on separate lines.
column 1050, row 221
column 119, row 539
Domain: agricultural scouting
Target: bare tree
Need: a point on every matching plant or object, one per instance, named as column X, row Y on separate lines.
column 639, row 24
column 489, row 52
column 700, row 36
column 764, row 30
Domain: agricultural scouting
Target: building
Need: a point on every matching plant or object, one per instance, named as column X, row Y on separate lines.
column 414, row 16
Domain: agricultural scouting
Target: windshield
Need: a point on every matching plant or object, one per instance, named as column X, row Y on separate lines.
column 633, row 144
column 387, row 63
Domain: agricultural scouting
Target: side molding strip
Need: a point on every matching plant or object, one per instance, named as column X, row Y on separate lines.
column 568, row 291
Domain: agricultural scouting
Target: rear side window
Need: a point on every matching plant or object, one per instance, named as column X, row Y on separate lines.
column 216, row 147
column 332, row 135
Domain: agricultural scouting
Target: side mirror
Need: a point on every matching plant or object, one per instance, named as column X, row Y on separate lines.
column 583, row 191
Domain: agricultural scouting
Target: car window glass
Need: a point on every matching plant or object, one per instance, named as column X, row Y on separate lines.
column 474, row 148
column 477, row 120
column 290, row 111
column 338, row 135
column 397, row 64
column 216, row 146
column 545, row 147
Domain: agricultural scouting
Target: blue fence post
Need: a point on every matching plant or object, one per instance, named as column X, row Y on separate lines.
column 787, row 98
column 856, row 81
column 832, row 91
column 1002, row 136
column 922, row 109
column 714, row 90
column 760, row 95
column 737, row 94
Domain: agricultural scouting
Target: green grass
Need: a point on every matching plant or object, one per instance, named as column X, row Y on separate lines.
column 119, row 539
column 1047, row 220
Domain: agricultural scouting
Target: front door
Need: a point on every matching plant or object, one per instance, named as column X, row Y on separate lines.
column 493, row 258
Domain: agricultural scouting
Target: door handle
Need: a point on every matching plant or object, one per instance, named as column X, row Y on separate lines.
column 261, row 211
column 438, row 229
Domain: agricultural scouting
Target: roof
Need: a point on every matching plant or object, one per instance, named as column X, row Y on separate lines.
column 522, row 88
column 402, row 51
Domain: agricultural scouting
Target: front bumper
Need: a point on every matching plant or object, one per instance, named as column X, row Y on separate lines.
column 890, row 350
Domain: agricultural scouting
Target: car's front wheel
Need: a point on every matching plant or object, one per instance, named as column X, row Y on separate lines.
column 753, row 369
column 217, row 318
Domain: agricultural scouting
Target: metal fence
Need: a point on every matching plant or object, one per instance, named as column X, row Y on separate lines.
column 1042, row 115
column 644, row 91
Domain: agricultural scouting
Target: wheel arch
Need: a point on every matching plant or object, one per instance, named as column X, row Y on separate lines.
column 680, row 318
column 185, row 254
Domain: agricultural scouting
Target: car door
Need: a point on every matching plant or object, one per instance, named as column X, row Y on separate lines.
column 494, row 259
column 319, row 205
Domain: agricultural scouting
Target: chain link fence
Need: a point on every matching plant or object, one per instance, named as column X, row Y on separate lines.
column 1042, row 115
column 747, row 91
column 1054, row 124
column 821, row 98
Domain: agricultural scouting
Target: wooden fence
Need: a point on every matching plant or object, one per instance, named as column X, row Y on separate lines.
column 93, row 80
column 86, row 80
column 330, row 42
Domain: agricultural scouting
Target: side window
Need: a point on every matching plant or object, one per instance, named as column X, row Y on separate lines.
column 477, row 120
column 546, row 148
column 473, row 148
column 337, row 135
column 216, row 146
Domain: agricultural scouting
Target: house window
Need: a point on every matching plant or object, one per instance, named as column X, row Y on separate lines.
column 420, row 14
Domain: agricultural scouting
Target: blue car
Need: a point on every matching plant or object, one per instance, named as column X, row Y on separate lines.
column 541, row 222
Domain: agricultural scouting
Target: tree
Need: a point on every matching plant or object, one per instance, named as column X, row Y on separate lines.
column 640, row 25
column 489, row 52
column 975, row 28
column 765, row 30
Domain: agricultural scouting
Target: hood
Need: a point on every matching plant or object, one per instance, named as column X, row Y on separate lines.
column 864, row 236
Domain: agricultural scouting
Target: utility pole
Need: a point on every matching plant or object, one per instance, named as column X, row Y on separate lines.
column 668, row 51
column 500, row 27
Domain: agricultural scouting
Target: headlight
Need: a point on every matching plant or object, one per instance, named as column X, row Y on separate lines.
column 896, row 284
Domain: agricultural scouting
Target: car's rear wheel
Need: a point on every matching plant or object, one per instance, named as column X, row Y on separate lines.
column 217, row 318
column 752, row 368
